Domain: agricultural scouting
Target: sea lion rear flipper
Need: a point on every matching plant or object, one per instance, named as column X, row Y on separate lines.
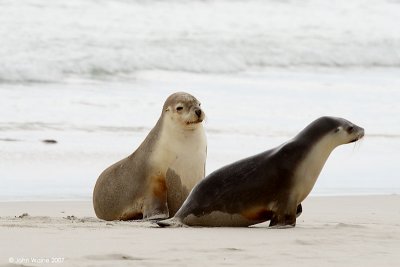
column 173, row 222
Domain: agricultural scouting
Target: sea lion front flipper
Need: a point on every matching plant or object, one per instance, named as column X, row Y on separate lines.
column 285, row 217
column 176, row 192
column 154, row 209
column 155, row 204
column 299, row 210
column 282, row 221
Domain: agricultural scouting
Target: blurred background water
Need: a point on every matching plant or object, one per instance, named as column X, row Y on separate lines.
column 53, row 40
column 93, row 75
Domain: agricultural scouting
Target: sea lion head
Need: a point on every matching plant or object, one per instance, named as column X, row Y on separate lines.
column 341, row 131
column 184, row 109
column 347, row 132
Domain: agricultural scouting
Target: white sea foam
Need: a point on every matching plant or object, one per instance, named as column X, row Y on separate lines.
column 54, row 40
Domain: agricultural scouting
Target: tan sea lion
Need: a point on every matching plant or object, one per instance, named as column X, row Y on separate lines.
column 269, row 186
column 154, row 181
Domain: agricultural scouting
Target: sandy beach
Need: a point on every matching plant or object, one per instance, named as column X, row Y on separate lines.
column 332, row 231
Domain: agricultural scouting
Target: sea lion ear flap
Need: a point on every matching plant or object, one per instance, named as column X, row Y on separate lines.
column 338, row 129
column 167, row 109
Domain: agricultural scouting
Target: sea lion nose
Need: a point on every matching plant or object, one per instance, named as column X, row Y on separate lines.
column 361, row 132
column 198, row 112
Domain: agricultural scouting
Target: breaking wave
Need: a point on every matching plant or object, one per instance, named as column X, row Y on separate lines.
column 48, row 41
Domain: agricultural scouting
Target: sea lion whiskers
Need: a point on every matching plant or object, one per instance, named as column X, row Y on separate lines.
column 358, row 143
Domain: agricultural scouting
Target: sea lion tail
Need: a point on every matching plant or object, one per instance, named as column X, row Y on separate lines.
column 173, row 222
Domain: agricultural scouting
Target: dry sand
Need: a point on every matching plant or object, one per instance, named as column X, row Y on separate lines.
column 332, row 231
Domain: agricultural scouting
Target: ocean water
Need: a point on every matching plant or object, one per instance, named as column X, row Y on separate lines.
column 93, row 76
column 54, row 40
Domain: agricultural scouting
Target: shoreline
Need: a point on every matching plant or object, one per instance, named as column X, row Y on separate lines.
column 353, row 192
column 83, row 207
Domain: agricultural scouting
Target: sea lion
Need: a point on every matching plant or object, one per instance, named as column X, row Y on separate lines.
column 154, row 181
column 267, row 186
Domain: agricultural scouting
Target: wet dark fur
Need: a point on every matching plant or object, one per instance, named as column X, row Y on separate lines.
column 258, row 180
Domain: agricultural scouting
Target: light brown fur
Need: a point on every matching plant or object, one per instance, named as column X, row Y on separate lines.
column 139, row 185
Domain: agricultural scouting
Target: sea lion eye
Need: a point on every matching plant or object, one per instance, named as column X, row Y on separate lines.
column 350, row 129
column 179, row 108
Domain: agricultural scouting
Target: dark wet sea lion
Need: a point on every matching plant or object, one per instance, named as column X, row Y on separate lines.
column 268, row 186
